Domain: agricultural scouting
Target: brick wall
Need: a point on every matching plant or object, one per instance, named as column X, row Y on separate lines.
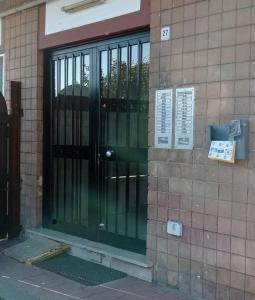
column 212, row 48
column 8, row 4
column 24, row 63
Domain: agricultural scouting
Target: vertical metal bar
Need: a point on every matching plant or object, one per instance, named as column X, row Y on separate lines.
column 58, row 126
column 80, row 128
column 138, row 134
column 106, row 142
column 53, row 104
column 73, row 103
column 127, row 138
column 119, row 57
column 73, row 144
column 94, row 180
column 74, row 136
column 65, row 127
column 81, row 85
column 100, row 165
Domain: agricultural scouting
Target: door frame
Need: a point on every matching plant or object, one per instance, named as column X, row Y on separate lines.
column 92, row 47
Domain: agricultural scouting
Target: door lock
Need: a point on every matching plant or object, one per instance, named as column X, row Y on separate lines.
column 109, row 153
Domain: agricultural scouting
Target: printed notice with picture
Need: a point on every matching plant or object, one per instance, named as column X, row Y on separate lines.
column 223, row 151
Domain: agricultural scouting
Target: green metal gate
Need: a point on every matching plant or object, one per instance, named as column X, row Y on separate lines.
column 96, row 141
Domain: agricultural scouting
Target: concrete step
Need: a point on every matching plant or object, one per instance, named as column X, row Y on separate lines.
column 133, row 264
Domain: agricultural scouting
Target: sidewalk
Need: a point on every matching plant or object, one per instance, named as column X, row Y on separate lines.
column 25, row 282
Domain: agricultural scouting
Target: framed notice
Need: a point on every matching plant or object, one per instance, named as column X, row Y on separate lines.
column 184, row 113
column 163, row 119
column 223, row 151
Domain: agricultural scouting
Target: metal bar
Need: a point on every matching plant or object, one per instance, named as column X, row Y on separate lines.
column 106, row 142
column 127, row 139
column 138, row 133
column 64, row 73
column 73, row 142
column 57, row 111
column 53, row 98
column 80, row 142
column 119, row 57
column 73, row 104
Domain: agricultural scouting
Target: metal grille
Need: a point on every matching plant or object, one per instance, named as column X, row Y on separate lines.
column 123, row 132
column 96, row 146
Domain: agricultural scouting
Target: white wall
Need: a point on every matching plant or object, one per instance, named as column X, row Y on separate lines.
column 58, row 20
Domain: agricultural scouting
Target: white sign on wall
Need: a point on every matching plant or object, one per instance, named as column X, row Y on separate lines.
column 184, row 113
column 165, row 33
column 163, row 119
column 57, row 20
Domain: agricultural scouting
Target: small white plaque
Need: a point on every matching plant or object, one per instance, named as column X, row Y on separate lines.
column 174, row 228
column 184, row 118
column 165, row 33
column 163, row 119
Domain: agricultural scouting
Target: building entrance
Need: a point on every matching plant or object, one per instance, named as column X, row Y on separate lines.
column 96, row 141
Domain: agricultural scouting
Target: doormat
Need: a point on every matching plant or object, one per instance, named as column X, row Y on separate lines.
column 36, row 249
column 79, row 270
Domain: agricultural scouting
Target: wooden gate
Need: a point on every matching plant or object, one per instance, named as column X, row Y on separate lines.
column 10, row 163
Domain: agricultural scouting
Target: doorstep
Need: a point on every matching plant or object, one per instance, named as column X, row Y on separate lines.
column 133, row 264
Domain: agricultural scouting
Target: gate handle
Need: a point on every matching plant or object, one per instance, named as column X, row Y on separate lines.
column 109, row 153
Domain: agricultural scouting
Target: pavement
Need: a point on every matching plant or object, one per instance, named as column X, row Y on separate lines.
column 25, row 282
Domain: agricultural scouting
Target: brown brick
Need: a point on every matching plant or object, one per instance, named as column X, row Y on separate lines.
column 244, row 16
column 238, row 228
column 237, row 263
column 223, row 243
column 223, row 260
column 250, row 249
column 238, row 246
column 250, row 284
column 229, row 5
column 250, row 266
column 237, row 280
